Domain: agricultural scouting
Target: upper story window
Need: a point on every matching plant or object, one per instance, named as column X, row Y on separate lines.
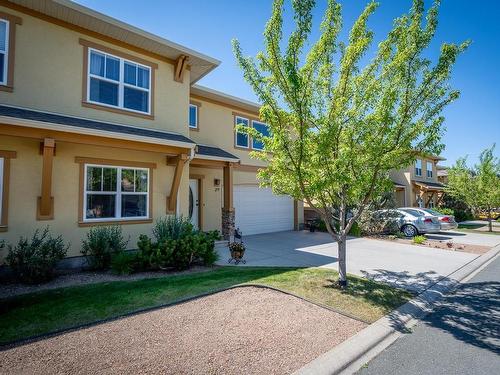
column 418, row 167
column 4, row 51
column 116, row 82
column 429, row 169
column 115, row 193
column 193, row 116
column 241, row 138
column 262, row 129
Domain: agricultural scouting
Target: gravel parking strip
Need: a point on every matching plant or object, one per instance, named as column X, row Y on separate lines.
column 239, row 331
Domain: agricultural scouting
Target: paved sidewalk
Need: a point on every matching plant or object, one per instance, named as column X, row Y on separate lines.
column 407, row 266
column 462, row 335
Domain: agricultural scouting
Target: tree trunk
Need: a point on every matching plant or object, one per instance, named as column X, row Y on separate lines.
column 490, row 225
column 342, row 261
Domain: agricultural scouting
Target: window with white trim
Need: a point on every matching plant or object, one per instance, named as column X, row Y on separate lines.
column 115, row 193
column 4, row 51
column 418, row 167
column 241, row 138
column 117, row 82
column 193, row 116
column 262, row 129
column 428, row 169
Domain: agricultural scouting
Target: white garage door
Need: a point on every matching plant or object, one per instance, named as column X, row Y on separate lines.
column 258, row 210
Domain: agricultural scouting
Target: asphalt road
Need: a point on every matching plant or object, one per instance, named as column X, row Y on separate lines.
column 461, row 336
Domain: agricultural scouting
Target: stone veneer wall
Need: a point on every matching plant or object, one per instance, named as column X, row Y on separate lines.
column 227, row 223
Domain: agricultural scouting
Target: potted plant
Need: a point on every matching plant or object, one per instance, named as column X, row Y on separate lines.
column 237, row 250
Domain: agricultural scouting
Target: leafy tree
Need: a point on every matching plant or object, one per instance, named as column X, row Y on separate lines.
column 478, row 186
column 337, row 128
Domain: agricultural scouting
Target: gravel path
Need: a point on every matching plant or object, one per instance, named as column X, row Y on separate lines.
column 240, row 331
column 75, row 278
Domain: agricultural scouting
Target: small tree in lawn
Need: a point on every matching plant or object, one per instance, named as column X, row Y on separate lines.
column 336, row 128
column 479, row 186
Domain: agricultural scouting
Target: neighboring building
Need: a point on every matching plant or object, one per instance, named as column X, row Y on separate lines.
column 418, row 185
column 102, row 123
column 442, row 173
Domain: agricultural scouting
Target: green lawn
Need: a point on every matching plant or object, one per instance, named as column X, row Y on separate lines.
column 472, row 228
column 43, row 312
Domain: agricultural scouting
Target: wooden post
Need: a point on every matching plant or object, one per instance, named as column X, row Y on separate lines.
column 180, row 160
column 46, row 201
column 180, row 67
column 228, row 186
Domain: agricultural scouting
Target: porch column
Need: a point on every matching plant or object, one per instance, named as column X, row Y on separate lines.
column 228, row 209
column 45, row 203
column 179, row 162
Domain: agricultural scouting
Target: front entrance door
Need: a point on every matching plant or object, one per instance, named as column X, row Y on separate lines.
column 194, row 204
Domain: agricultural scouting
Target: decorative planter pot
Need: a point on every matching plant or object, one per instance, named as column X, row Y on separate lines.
column 237, row 254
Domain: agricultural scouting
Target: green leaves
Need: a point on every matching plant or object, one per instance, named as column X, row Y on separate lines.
column 339, row 127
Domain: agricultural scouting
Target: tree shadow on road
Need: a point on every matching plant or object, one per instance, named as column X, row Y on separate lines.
column 417, row 282
column 471, row 315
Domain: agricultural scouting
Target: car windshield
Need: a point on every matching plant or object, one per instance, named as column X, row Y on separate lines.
column 432, row 212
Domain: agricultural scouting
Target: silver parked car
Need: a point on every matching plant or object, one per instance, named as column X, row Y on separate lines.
column 447, row 221
column 409, row 221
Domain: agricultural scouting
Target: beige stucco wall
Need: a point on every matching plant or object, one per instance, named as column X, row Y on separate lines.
column 25, row 185
column 216, row 128
column 48, row 76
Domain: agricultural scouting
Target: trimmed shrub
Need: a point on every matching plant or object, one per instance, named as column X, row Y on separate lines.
column 101, row 244
column 445, row 211
column 34, row 260
column 176, row 245
column 124, row 263
column 419, row 239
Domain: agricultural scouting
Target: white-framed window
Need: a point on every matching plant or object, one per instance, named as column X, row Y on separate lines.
column 428, row 169
column 262, row 129
column 241, row 139
column 1, row 185
column 119, row 83
column 418, row 167
column 115, row 193
column 193, row 116
column 4, row 51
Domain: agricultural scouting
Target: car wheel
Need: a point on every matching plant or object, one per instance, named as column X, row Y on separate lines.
column 409, row 230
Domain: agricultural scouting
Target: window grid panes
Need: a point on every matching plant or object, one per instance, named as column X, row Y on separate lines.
column 116, row 193
column 193, row 116
column 241, row 138
column 429, row 169
column 262, row 129
column 117, row 82
column 418, row 167
column 4, row 50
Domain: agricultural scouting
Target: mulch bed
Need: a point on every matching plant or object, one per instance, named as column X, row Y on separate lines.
column 240, row 331
column 440, row 245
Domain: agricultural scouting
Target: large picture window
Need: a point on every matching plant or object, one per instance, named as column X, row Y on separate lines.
column 116, row 82
column 115, row 193
column 4, row 51
column 262, row 129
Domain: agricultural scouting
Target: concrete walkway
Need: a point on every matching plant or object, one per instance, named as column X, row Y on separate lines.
column 462, row 336
column 408, row 266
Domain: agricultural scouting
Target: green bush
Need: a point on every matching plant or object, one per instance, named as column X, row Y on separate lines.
column 419, row 239
column 176, row 245
column 445, row 211
column 34, row 260
column 124, row 263
column 101, row 244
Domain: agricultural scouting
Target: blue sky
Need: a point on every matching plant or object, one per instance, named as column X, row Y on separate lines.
column 472, row 122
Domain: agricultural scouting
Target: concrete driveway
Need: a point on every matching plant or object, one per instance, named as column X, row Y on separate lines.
column 467, row 238
column 408, row 266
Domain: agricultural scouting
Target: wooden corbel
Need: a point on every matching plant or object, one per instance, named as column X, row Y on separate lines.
column 180, row 67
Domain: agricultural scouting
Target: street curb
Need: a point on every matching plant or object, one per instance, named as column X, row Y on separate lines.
column 349, row 356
